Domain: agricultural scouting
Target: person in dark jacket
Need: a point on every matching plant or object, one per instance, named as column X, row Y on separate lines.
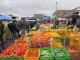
column 14, row 29
column 10, row 27
column 78, row 24
column 74, row 18
column 2, row 34
column 37, row 25
column 0, row 51
column 56, row 23
column 23, row 26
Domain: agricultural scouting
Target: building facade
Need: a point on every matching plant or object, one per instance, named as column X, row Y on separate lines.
column 38, row 16
column 77, row 10
column 61, row 13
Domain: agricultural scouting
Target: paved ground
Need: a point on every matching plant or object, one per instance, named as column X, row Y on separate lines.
column 7, row 44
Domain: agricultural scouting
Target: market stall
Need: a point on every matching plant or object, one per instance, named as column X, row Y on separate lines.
column 44, row 45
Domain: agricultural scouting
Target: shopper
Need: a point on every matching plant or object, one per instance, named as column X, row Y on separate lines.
column 11, row 30
column 14, row 30
column 78, row 24
column 56, row 23
column 23, row 26
column 0, row 51
column 74, row 19
column 2, row 34
column 37, row 25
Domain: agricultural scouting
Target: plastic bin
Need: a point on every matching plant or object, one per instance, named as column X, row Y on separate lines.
column 26, row 57
column 17, row 58
column 4, row 58
column 66, row 55
column 12, row 58
column 47, row 58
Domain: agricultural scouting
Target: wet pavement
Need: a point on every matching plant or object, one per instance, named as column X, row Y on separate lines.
column 7, row 44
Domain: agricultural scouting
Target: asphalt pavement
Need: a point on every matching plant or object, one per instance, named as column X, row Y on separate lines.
column 7, row 44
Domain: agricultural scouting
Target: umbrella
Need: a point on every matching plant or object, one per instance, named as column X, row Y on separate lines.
column 5, row 18
column 67, row 15
column 46, row 18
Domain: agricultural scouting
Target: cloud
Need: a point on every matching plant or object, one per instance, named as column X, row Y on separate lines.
column 30, row 7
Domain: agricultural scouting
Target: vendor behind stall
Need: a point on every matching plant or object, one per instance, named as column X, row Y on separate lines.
column 37, row 25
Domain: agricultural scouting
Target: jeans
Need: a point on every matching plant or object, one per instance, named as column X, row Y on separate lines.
column 0, row 51
column 16, row 35
column 2, row 41
column 23, row 31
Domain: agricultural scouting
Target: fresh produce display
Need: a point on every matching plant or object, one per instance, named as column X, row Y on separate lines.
column 40, row 44
column 62, row 26
column 35, row 38
column 52, row 40
column 43, row 44
column 59, row 52
column 21, row 40
column 46, row 52
column 43, row 37
column 8, row 52
column 62, row 32
column 38, row 37
column 33, row 29
column 46, row 26
column 33, row 32
column 20, row 50
column 56, row 44
column 52, row 34
column 33, row 52
column 70, row 30
column 74, row 39
column 16, row 50
column 35, row 45
column 71, row 49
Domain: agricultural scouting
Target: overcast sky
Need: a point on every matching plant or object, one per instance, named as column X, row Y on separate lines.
column 30, row 7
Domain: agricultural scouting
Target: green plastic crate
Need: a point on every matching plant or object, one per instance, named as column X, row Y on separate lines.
column 19, row 58
column 4, row 58
column 58, row 39
column 12, row 58
column 47, row 58
column 66, row 55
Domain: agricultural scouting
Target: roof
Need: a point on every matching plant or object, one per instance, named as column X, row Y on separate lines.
column 64, row 10
column 76, row 8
